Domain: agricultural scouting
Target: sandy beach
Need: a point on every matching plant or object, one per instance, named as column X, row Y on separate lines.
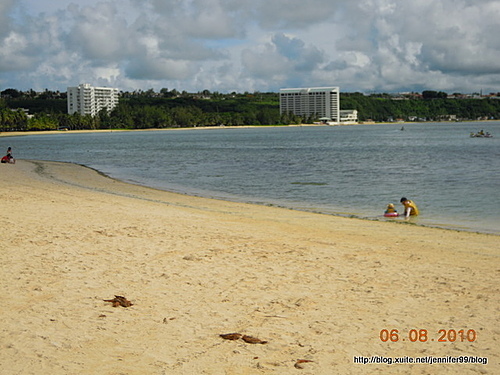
column 319, row 289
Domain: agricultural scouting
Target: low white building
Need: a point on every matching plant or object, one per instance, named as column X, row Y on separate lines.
column 90, row 100
column 349, row 116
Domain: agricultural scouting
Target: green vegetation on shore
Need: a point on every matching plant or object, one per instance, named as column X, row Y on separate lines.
column 24, row 111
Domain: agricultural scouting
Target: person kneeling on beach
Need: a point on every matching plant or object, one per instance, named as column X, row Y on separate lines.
column 411, row 208
column 9, row 158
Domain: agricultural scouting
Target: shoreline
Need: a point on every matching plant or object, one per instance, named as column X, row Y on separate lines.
column 399, row 220
column 317, row 287
column 39, row 132
column 468, row 226
column 381, row 218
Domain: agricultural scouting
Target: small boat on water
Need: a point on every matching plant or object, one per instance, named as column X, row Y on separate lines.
column 481, row 134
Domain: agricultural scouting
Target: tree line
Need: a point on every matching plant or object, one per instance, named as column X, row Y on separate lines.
column 23, row 111
column 383, row 107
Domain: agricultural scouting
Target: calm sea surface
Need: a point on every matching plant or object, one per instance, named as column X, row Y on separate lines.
column 349, row 170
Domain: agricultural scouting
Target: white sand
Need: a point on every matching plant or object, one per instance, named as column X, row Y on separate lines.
column 316, row 287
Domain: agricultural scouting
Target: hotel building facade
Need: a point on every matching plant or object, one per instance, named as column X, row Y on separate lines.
column 89, row 100
column 322, row 102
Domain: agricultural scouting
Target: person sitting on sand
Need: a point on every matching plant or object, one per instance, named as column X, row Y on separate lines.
column 10, row 158
column 411, row 208
column 391, row 209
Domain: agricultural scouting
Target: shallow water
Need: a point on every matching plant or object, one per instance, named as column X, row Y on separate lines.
column 350, row 170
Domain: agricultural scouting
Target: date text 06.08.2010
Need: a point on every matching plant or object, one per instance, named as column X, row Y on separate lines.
column 423, row 335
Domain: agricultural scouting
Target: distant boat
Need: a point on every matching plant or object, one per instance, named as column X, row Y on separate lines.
column 481, row 134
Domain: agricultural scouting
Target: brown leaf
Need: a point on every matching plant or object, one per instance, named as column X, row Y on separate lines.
column 253, row 340
column 299, row 362
column 119, row 301
column 230, row 336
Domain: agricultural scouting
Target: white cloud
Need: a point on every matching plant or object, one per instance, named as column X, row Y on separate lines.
column 159, row 69
column 97, row 33
column 245, row 45
column 13, row 56
column 5, row 17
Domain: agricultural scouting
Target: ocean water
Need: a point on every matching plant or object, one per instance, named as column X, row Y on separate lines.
column 341, row 170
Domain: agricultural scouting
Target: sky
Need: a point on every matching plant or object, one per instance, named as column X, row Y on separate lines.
column 369, row 46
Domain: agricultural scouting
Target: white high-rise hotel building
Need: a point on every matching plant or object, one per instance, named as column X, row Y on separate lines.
column 89, row 100
column 323, row 102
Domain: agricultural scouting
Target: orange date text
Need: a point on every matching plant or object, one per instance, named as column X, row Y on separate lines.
column 423, row 335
